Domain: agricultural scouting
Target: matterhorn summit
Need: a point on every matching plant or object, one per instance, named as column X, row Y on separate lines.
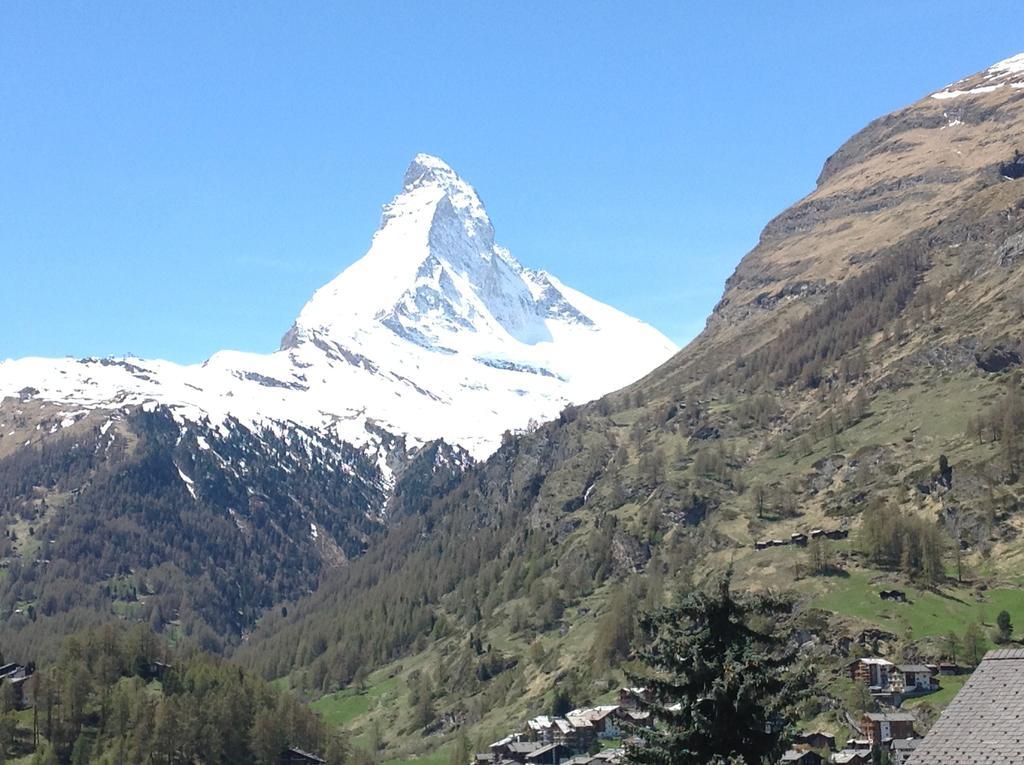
column 436, row 332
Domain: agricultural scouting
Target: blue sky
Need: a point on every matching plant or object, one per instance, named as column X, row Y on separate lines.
column 176, row 178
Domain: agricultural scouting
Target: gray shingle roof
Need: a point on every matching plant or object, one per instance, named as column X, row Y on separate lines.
column 890, row 716
column 905, row 743
column 985, row 721
column 544, row 750
column 523, row 747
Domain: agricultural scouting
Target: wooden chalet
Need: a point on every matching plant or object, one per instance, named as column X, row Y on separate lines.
column 512, row 750
column 549, row 754
column 872, row 671
column 852, row 757
column 815, row 740
column 881, row 727
column 914, row 678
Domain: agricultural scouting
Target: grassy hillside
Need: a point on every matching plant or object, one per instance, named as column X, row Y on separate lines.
column 861, row 373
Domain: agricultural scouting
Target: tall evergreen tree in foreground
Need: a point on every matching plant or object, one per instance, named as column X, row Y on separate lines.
column 719, row 689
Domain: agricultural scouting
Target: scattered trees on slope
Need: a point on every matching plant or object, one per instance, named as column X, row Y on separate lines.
column 895, row 539
column 859, row 307
column 1004, row 423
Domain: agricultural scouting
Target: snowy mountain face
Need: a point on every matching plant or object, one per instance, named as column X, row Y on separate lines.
column 1006, row 73
column 436, row 332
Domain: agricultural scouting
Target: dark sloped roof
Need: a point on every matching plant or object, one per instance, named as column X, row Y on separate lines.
column 523, row 747
column 985, row 721
column 294, row 751
column 890, row 717
column 544, row 750
column 796, row 756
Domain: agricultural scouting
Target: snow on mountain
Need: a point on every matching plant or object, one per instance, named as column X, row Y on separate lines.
column 1009, row 71
column 436, row 332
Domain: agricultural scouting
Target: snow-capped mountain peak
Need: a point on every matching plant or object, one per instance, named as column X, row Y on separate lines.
column 435, row 277
column 436, row 332
column 426, row 170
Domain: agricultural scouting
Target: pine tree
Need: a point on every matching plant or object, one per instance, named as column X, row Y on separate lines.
column 561, row 704
column 1005, row 625
column 736, row 688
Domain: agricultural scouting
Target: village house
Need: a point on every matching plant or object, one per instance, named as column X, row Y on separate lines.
column 914, row 678
column 628, row 697
column 852, row 757
column 881, row 727
column 574, row 731
column 511, row 749
column 567, row 740
column 871, row 671
column 900, row 750
column 801, row 757
column 604, row 757
column 580, row 727
column 550, row 754
column 609, row 756
column 602, row 719
column 641, row 719
column 500, row 747
column 18, row 675
column 983, row 721
column 815, row 740
column 541, row 728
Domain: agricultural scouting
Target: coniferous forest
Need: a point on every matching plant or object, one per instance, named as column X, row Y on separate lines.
column 118, row 694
